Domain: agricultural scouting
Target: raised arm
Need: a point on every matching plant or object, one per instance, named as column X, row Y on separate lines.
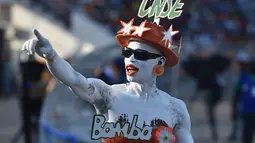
column 88, row 89
column 182, row 130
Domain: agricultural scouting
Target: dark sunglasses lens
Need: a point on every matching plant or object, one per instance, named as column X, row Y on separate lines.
column 126, row 53
column 140, row 55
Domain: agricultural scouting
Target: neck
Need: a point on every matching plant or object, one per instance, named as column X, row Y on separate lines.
column 144, row 88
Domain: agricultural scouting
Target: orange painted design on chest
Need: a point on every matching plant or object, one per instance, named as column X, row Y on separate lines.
column 161, row 134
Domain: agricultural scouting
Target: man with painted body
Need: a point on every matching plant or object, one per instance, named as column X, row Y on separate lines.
column 139, row 96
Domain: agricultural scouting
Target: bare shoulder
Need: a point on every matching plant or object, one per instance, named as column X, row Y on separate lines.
column 173, row 101
column 177, row 108
column 119, row 87
column 103, row 88
column 180, row 105
column 97, row 82
column 123, row 85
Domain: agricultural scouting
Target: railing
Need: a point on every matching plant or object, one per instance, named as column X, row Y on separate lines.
column 50, row 132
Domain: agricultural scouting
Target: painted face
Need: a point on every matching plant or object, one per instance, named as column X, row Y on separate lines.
column 140, row 60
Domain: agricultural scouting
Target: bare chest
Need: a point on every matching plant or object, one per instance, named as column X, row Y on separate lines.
column 152, row 111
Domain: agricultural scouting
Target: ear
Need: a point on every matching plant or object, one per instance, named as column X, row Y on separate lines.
column 162, row 61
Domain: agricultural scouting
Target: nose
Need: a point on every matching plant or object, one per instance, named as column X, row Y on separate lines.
column 132, row 58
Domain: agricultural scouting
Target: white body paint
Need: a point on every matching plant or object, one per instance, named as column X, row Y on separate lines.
column 160, row 105
column 140, row 96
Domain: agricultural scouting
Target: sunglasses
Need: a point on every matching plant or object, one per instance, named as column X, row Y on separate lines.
column 139, row 54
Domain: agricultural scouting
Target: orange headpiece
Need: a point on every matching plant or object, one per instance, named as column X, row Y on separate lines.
column 151, row 32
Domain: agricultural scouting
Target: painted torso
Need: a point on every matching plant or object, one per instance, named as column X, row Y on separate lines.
column 150, row 107
column 156, row 109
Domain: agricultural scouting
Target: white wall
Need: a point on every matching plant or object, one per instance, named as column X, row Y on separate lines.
column 90, row 31
column 6, row 1
column 25, row 19
column 86, row 34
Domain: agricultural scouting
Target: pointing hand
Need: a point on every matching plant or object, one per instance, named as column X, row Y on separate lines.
column 39, row 45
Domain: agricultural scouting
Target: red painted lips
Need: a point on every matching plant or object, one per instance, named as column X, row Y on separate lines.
column 131, row 70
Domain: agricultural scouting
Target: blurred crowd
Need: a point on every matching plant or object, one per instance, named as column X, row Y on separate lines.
column 113, row 72
column 208, row 75
column 110, row 12
column 8, row 85
column 206, row 22
column 205, row 19
column 59, row 9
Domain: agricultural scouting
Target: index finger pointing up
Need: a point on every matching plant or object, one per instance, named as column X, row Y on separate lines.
column 39, row 36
